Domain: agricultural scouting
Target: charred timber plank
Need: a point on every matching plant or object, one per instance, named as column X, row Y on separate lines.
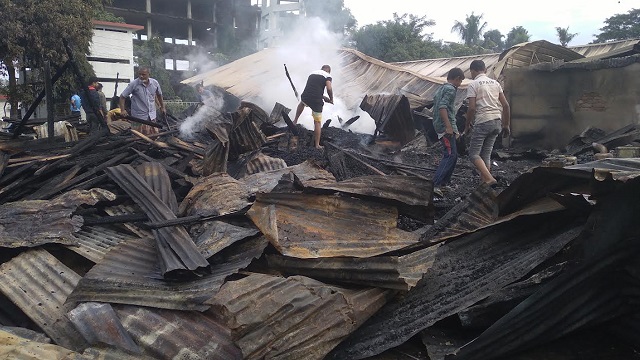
column 142, row 136
column 115, row 219
column 175, row 142
column 90, row 183
column 169, row 169
column 144, row 122
column 367, row 165
column 51, row 185
column 4, row 160
column 290, row 124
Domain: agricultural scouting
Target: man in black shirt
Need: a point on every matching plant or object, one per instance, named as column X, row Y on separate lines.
column 313, row 97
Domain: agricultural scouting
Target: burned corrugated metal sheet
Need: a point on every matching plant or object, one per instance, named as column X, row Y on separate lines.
column 130, row 274
column 529, row 53
column 179, row 256
column 95, row 241
column 245, row 135
column 440, row 67
column 304, row 173
column 215, row 195
column 298, row 318
column 389, row 272
column 165, row 334
column 15, row 347
column 412, row 195
column 357, row 74
column 596, row 291
column 36, row 222
column 213, row 236
column 27, row 334
column 39, row 284
column 392, row 115
column 465, row 271
column 215, row 158
column 99, row 325
column 310, row 226
column 620, row 169
column 599, row 49
column 158, row 179
column 257, row 162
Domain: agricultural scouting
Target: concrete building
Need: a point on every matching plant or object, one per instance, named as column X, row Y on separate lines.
column 111, row 54
column 276, row 16
column 191, row 26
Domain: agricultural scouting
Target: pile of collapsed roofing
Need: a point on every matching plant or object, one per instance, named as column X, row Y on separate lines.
column 131, row 247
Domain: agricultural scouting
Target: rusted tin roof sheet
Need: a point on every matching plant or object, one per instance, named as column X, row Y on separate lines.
column 15, row 347
column 95, row 241
column 257, row 162
column 39, row 284
column 178, row 254
column 158, row 179
column 298, row 317
column 213, row 236
column 305, row 173
column 410, row 192
column 464, row 271
column 621, row 169
column 296, row 224
column 130, row 274
column 167, row 334
column 36, row 222
column 245, row 135
column 388, row 272
column 99, row 325
column 215, row 195
column 392, row 115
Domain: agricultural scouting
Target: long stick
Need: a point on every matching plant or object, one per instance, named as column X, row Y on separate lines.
column 291, row 82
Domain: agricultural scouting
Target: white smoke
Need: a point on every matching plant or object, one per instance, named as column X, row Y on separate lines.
column 305, row 49
column 210, row 110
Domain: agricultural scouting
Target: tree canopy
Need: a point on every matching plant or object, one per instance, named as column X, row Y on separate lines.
column 620, row 27
column 564, row 36
column 471, row 30
column 516, row 36
column 32, row 32
column 338, row 18
column 493, row 40
column 399, row 39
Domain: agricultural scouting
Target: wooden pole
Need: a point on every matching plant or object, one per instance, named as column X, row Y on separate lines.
column 48, row 88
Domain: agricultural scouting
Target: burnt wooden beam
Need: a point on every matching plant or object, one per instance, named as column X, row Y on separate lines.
column 169, row 169
column 349, row 154
column 4, row 161
column 292, row 127
column 48, row 88
column 144, row 122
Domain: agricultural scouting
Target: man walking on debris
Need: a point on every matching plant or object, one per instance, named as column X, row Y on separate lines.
column 144, row 92
column 203, row 94
column 313, row 97
column 488, row 112
column 444, row 123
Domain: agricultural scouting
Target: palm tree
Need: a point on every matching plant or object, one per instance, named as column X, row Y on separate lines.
column 564, row 36
column 493, row 40
column 470, row 31
column 516, row 36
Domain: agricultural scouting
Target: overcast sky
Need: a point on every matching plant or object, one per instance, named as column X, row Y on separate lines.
column 539, row 17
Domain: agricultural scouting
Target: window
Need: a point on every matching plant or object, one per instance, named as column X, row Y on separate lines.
column 168, row 64
column 182, row 65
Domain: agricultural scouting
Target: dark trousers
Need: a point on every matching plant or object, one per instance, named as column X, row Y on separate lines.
column 448, row 162
column 94, row 123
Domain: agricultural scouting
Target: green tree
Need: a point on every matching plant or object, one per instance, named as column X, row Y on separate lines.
column 493, row 40
column 338, row 18
column 516, row 36
column 32, row 32
column 150, row 55
column 564, row 36
column 471, row 30
column 620, row 27
column 400, row 39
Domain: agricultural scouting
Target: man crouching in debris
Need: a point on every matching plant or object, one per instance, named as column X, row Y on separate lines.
column 313, row 97
column 488, row 112
column 445, row 126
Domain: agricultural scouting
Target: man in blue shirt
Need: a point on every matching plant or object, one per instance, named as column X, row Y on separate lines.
column 144, row 91
column 75, row 105
column 444, row 123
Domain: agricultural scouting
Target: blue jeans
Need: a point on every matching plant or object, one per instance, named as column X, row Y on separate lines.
column 448, row 162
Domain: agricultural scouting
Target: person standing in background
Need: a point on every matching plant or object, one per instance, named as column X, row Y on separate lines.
column 75, row 104
column 95, row 119
column 444, row 123
column 103, row 99
column 144, row 92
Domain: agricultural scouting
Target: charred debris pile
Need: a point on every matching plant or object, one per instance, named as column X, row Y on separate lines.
column 243, row 241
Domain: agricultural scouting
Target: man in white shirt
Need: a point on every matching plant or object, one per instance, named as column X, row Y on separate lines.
column 488, row 112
